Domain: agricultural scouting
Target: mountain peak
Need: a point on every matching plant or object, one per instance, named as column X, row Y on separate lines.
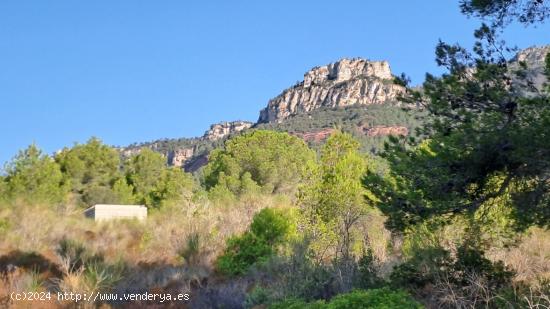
column 346, row 69
column 342, row 83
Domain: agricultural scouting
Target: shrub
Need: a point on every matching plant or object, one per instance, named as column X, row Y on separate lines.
column 383, row 298
column 258, row 296
column 269, row 229
column 271, row 225
column 367, row 273
column 73, row 253
column 467, row 280
column 191, row 251
column 298, row 304
column 377, row 298
column 242, row 252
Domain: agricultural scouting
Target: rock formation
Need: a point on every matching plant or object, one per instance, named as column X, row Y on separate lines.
column 223, row 129
column 178, row 157
column 385, row 131
column 316, row 136
column 342, row 83
column 534, row 58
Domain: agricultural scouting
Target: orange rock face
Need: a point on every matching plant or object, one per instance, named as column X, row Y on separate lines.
column 385, row 131
column 317, row 136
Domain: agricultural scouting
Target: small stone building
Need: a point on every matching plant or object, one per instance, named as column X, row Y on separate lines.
column 101, row 212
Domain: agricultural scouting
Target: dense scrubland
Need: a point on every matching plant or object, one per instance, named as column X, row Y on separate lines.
column 454, row 216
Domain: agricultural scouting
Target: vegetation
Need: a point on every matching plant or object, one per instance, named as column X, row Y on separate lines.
column 455, row 216
column 271, row 160
column 269, row 229
column 352, row 120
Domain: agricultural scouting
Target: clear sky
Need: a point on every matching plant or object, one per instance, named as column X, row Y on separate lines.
column 133, row 71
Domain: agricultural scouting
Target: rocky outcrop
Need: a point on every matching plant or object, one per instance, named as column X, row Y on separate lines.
column 342, row 83
column 179, row 157
column 534, row 58
column 385, row 131
column 316, row 136
column 220, row 130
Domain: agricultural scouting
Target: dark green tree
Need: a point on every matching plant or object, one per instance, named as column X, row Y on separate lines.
column 503, row 12
column 35, row 177
column 144, row 171
column 90, row 163
column 154, row 183
column 487, row 130
column 173, row 186
column 274, row 160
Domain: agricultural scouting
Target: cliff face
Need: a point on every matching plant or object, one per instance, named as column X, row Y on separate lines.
column 342, row 83
column 223, row 129
column 180, row 156
column 534, row 58
column 385, row 131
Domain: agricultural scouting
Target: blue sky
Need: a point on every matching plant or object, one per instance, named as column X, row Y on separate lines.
column 131, row 71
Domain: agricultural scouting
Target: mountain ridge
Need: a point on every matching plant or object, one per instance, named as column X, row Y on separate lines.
column 349, row 83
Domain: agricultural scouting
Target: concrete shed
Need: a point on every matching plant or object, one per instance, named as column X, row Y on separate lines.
column 101, row 212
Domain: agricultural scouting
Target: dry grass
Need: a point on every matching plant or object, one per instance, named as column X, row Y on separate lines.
column 175, row 247
column 154, row 251
column 530, row 258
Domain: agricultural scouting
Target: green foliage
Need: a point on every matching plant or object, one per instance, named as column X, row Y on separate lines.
column 97, row 194
column 258, row 296
column 468, row 274
column 376, row 299
column 3, row 190
column 273, row 225
column 333, row 199
column 353, row 120
column 269, row 229
column 4, row 226
column 367, row 273
column 274, row 161
column 102, row 277
column 503, row 12
column 75, row 254
column 173, row 186
column 91, row 169
column 221, row 195
column 383, row 298
column 93, row 163
column 190, row 252
column 143, row 171
column 487, row 144
column 124, row 192
column 35, row 177
column 298, row 304
column 243, row 252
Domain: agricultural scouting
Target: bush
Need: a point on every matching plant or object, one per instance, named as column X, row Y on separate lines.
column 272, row 225
column 243, row 252
column 272, row 161
column 298, row 304
column 383, row 298
column 467, row 280
column 269, row 229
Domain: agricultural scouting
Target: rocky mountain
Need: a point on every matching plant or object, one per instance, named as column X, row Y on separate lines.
column 534, row 58
column 220, row 130
column 190, row 153
column 355, row 95
column 343, row 83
